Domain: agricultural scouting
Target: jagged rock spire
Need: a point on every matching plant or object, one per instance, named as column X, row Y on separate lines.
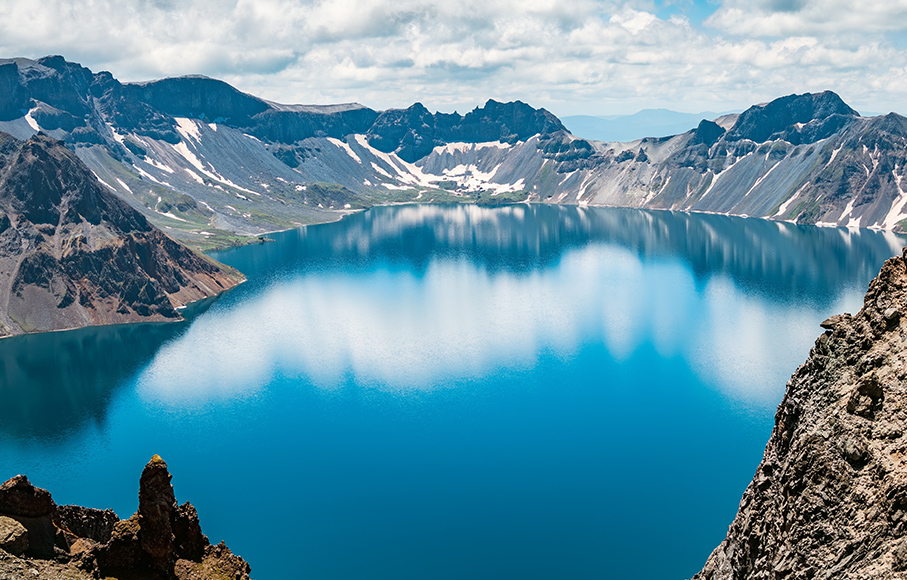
column 156, row 506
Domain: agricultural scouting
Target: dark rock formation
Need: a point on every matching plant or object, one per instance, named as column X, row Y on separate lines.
column 412, row 133
column 73, row 254
column 13, row 97
column 156, row 506
column 290, row 124
column 160, row 541
column 199, row 97
column 829, row 499
column 707, row 133
column 93, row 524
column 33, row 508
column 818, row 114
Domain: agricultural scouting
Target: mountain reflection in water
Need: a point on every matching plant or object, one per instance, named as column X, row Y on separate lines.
column 781, row 260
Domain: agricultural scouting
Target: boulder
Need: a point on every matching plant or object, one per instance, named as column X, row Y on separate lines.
column 33, row 508
column 13, row 536
column 18, row 497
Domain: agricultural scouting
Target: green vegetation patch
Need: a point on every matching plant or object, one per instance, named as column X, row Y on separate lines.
column 505, row 198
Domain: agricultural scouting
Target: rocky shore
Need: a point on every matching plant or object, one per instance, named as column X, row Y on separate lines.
column 161, row 541
column 829, row 500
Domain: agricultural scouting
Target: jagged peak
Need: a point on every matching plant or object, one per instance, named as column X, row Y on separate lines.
column 48, row 184
column 54, row 61
column 891, row 123
column 785, row 116
column 707, row 133
column 415, row 107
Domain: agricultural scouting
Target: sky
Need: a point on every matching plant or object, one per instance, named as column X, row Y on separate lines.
column 578, row 57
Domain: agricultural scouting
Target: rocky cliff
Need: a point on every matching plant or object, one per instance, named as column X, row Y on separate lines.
column 72, row 254
column 161, row 541
column 829, row 499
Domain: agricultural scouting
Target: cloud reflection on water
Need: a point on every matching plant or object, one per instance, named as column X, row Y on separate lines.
column 400, row 330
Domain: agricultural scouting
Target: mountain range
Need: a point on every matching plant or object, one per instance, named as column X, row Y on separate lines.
column 210, row 164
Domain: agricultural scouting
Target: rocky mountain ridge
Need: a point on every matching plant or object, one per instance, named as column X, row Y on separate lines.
column 208, row 163
column 161, row 541
column 829, row 499
column 73, row 254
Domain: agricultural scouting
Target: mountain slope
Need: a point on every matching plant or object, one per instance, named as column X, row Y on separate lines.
column 209, row 163
column 829, row 499
column 72, row 254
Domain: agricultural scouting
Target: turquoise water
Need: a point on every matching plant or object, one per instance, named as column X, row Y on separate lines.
column 450, row 391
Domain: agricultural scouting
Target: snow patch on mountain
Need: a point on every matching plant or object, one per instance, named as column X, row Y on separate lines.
column 31, row 120
column 346, row 147
column 123, row 183
column 188, row 129
column 406, row 172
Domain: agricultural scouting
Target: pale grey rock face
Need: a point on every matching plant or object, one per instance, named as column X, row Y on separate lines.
column 829, row 499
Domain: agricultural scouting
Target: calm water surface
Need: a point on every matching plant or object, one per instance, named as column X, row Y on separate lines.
column 451, row 392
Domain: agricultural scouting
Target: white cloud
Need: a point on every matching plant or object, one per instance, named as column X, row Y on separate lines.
column 584, row 56
column 795, row 17
column 633, row 21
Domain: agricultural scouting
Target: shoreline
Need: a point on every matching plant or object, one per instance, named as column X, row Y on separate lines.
column 255, row 237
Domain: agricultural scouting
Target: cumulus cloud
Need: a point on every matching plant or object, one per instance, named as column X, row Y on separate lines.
column 795, row 17
column 586, row 56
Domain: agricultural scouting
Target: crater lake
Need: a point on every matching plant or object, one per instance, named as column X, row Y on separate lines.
column 451, row 392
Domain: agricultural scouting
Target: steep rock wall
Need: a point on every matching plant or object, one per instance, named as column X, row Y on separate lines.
column 829, row 499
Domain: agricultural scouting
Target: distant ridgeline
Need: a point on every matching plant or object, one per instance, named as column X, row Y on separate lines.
column 209, row 163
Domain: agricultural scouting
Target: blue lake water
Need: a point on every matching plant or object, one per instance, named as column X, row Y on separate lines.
column 451, row 392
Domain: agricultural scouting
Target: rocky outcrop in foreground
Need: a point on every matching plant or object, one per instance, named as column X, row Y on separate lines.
column 161, row 541
column 829, row 499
